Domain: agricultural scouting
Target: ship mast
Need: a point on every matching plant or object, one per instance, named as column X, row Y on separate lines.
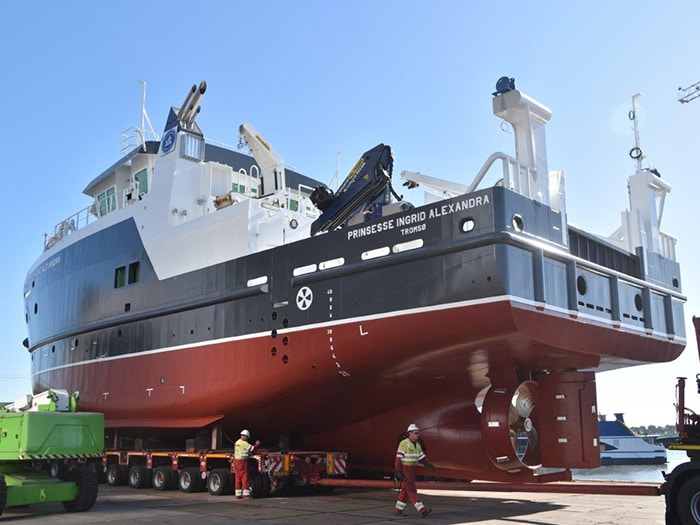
column 636, row 152
column 144, row 117
column 131, row 141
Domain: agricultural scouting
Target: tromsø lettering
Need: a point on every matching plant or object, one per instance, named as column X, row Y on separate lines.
column 415, row 222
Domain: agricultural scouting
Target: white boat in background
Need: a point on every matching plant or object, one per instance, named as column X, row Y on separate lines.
column 619, row 445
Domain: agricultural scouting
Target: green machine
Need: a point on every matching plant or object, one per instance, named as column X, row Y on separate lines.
column 44, row 449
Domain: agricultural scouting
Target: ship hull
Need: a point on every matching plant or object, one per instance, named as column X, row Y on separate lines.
column 356, row 331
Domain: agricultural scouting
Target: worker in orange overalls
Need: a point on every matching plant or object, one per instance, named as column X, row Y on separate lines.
column 409, row 455
column 241, row 450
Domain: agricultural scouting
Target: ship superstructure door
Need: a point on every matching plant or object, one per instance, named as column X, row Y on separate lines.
column 281, row 277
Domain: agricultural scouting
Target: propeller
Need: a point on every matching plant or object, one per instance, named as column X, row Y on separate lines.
column 509, row 427
column 524, row 435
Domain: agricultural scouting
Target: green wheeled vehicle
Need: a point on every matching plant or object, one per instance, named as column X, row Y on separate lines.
column 42, row 431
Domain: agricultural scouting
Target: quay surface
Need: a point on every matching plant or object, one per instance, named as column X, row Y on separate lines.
column 349, row 507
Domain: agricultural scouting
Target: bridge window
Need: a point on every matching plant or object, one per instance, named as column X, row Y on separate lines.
column 107, row 201
column 142, row 179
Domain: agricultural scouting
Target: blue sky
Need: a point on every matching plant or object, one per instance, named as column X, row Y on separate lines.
column 321, row 77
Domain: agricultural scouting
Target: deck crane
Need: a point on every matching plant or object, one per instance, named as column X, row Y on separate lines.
column 272, row 176
column 685, row 95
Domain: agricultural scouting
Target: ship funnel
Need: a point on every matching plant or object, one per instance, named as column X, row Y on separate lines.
column 192, row 111
column 183, row 108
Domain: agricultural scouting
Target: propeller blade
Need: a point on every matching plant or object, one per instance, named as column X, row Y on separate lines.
column 526, row 399
column 532, row 454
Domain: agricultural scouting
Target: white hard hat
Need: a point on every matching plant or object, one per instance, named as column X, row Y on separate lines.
column 245, row 433
column 412, row 428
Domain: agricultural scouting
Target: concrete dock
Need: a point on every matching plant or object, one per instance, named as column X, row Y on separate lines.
column 349, row 507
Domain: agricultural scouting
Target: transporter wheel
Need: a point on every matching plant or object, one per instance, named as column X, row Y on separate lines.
column 87, row 490
column 139, row 477
column 115, row 475
column 220, row 482
column 3, row 493
column 688, row 502
column 163, row 478
column 260, row 484
column 190, row 480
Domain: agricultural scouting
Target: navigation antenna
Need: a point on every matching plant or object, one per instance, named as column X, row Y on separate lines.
column 636, row 152
column 131, row 141
column 689, row 93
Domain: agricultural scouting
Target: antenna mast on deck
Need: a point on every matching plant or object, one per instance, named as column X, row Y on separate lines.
column 689, row 93
column 130, row 141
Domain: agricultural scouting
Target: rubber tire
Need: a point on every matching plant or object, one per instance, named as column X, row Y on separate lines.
column 220, row 482
column 96, row 467
column 261, row 484
column 115, row 475
column 190, row 480
column 87, row 490
column 139, row 477
column 163, row 478
column 58, row 469
column 688, row 497
column 3, row 493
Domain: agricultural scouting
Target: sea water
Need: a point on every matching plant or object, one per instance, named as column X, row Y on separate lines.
column 639, row 473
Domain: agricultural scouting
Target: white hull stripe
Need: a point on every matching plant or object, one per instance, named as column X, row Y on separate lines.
column 399, row 313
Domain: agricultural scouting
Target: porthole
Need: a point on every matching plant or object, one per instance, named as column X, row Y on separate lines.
column 273, row 351
column 517, row 223
column 638, row 302
column 75, row 343
column 285, row 359
column 273, row 334
column 581, row 285
column 285, row 322
column 467, row 225
column 285, row 340
column 274, row 316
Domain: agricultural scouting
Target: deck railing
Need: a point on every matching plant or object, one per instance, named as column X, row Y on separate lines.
column 71, row 224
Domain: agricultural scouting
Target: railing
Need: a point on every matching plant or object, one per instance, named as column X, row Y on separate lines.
column 67, row 226
column 668, row 246
column 514, row 182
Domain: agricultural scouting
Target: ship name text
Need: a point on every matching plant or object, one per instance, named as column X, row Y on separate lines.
column 415, row 222
column 48, row 264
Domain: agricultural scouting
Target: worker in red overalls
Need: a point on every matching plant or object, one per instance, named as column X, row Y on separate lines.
column 241, row 450
column 409, row 455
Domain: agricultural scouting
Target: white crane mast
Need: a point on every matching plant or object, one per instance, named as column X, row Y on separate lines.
column 272, row 178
